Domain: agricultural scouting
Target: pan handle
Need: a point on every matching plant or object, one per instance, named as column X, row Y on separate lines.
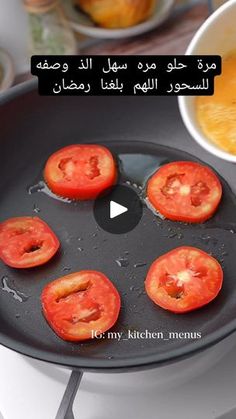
column 65, row 409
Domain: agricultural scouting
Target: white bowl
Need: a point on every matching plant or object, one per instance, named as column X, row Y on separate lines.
column 84, row 25
column 216, row 36
column 7, row 69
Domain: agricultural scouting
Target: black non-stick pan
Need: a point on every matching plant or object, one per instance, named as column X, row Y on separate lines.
column 142, row 133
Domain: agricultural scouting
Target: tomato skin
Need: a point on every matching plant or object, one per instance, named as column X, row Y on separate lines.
column 78, row 304
column 185, row 191
column 21, row 234
column 184, row 279
column 80, row 171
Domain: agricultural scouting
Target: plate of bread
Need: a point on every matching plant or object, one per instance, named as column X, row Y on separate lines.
column 117, row 19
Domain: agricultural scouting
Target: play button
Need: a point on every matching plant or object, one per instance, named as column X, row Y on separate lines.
column 116, row 209
column 119, row 210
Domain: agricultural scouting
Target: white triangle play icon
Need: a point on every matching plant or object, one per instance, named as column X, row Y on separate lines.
column 116, row 209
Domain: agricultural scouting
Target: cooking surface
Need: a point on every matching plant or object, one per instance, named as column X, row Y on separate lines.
column 51, row 124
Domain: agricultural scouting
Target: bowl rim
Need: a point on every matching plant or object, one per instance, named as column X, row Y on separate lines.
column 149, row 24
column 199, row 137
column 8, row 70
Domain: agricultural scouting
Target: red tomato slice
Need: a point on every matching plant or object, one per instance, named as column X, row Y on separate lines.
column 26, row 242
column 81, row 304
column 184, row 279
column 185, row 191
column 80, row 171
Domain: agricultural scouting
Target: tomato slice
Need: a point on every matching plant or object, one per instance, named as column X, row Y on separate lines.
column 80, row 305
column 184, row 279
column 80, row 171
column 185, row 191
column 26, row 242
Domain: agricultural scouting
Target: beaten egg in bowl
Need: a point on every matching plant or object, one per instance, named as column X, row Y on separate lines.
column 217, row 114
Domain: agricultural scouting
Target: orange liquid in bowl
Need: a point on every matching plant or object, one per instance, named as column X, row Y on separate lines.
column 217, row 114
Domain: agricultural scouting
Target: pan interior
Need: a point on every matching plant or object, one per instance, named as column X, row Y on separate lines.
column 125, row 259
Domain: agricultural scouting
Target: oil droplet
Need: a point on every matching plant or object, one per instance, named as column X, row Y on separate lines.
column 94, row 234
column 80, row 249
column 17, row 316
column 36, row 209
column 150, row 206
column 95, row 247
column 66, row 269
column 209, row 239
column 122, row 262
column 67, row 238
column 140, row 264
column 140, row 166
column 17, row 295
column 42, row 187
column 80, row 239
column 47, row 191
column 205, row 238
column 36, row 188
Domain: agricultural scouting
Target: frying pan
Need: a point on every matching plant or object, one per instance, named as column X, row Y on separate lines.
column 142, row 133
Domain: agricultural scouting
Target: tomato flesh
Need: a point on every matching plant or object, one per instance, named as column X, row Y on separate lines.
column 80, row 171
column 81, row 305
column 185, row 191
column 184, row 279
column 26, row 242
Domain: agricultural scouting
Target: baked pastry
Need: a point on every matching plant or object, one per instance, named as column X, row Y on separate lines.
column 117, row 13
